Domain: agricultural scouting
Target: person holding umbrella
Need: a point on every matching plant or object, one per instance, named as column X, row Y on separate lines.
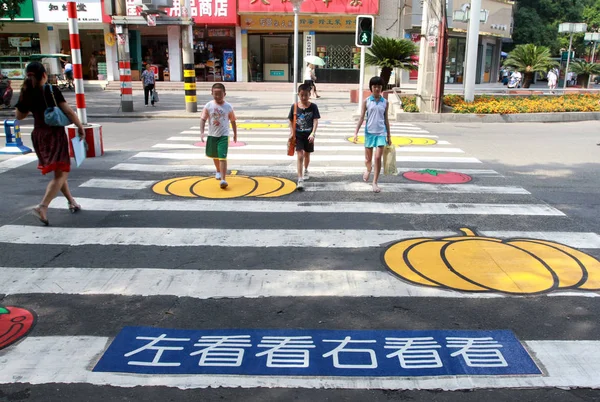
column 309, row 72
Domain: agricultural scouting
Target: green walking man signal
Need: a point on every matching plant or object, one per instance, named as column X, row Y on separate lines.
column 364, row 30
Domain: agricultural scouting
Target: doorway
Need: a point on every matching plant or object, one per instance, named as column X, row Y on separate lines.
column 271, row 57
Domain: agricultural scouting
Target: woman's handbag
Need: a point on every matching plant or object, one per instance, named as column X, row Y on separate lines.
column 389, row 160
column 54, row 116
column 291, row 145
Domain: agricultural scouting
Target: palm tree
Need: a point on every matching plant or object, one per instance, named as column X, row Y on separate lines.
column 584, row 71
column 390, row 53
column 529, row 59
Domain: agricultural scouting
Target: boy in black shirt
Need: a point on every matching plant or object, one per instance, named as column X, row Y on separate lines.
column 307, row 121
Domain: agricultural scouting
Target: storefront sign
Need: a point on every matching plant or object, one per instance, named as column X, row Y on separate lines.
column 56, row 11
column 212, row 12
column 309, row 45
column 268, row 22
column 13, row 73
column 26, row 13
column 310, row 353
column 19, row 41
column 310, row 7
column 220, row 33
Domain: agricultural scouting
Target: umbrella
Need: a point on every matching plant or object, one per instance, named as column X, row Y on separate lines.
column 317, row 61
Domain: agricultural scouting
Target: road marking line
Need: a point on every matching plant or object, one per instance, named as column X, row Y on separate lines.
column 290, row 169
column 321, row 238
column 402, row 208
column 16, row 162
column 211, row 284
column 335, row 133
column 118, row 184
column 285, row 158
column 348, row 186
column 68, row 360
column 283, row 140
column 348, row 148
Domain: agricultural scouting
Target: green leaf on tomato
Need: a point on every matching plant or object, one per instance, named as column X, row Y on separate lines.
column 4, row 310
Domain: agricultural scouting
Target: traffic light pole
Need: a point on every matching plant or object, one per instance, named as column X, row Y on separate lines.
column 361, row 81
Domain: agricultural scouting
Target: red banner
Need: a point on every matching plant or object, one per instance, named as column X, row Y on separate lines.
column 311, row 6
column 210, row 12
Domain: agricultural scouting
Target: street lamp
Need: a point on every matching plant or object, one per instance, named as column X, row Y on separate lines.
column 296, row 4
column 571, row 28
column 464, row 15
column 593, row 37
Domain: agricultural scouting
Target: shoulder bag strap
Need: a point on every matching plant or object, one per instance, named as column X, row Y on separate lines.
column 295, row 117
column 52, row 93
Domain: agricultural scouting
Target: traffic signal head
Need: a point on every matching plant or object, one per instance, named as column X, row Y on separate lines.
column 364, row 30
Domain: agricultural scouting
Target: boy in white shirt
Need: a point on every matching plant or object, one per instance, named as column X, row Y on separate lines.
column 219, row 114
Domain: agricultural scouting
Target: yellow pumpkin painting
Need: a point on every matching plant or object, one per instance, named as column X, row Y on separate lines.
column 239, row 186
column 472, row 263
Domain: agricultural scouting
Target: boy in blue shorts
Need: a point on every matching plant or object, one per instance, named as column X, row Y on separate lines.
column 219, row 114
column 377, row 129
column 307, row 121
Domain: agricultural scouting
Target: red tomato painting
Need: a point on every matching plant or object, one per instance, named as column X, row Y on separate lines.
column 437, row 177
column 15, row 324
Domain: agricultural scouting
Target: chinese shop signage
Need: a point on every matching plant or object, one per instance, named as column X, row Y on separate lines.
column 270, row 22
column 146, row 350
column 220, row 12
column 56, row 11
column 310, row 6
column 26, row 13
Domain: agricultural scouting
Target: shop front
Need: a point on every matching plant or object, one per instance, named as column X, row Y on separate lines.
column 19, row 39
column 160, row 45
column 326, row 29
column 53, row 15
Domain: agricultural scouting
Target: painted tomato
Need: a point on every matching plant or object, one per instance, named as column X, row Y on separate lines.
column 437, row 177
column 15, row 324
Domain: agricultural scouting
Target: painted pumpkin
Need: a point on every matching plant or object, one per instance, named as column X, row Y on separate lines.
column 239, row 186
column 437, row 177
column 481, row 264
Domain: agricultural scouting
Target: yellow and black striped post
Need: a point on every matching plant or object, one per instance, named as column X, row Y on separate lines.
column 189, row 85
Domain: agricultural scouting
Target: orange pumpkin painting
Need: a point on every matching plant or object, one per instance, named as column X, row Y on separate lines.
column 472, row 263
column 239, row 186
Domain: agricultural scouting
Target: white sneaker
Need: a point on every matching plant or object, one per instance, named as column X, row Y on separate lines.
column 218, row 176
column 306, row 176
column 300, row 185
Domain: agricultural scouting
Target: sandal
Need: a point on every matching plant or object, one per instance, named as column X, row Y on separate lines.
column 37, row 212
column 74, row 207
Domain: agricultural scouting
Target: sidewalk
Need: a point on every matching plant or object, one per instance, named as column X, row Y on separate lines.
column 266, row 101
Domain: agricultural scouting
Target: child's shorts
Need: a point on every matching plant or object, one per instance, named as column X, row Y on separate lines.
column 216, row 147
column 374, row 141
column 302, row 143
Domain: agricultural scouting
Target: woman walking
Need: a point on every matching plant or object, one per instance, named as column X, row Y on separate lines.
column 50, row 142
column 148, row 81
column 310, row 77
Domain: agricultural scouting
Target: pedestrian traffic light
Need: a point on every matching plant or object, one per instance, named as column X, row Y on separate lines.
column 364, row 30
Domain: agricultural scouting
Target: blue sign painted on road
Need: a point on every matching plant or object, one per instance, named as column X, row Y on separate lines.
column 146, row 350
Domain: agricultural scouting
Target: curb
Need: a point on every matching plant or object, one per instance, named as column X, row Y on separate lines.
column 563, row 117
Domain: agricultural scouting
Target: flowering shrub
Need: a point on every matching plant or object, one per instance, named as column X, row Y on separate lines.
column 487, row 104
column 409, row 104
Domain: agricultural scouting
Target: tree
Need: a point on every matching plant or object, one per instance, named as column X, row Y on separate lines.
column 390, row 53
column 584, row 71
column 529, row 59
column 10, row 8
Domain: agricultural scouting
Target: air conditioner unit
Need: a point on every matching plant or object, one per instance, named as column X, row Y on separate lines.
column 155, row 4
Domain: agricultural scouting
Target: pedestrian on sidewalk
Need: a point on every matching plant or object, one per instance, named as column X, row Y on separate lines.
column 50, row 142
column 552, row 79
column 69, row 74
column 377, row 129
column 7, row 96
column 307, row 121
column 93, row 66
column 148, row 81
column 310, row 78
column 219, row 114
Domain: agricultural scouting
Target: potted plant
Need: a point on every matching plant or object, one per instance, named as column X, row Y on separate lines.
column 388, row 54
column 529, row 59
column 584, row 71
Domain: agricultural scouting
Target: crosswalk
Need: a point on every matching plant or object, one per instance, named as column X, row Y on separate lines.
column 231, row 261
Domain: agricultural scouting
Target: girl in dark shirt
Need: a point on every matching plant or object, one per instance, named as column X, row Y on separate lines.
column 50, row 143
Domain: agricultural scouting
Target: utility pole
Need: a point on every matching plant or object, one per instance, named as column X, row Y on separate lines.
column 189, row 73
column 124, row 60
column 472, row 46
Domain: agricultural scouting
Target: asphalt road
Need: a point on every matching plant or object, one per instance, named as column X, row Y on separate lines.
column 542, row 170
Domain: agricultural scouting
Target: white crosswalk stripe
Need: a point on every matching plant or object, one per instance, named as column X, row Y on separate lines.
column 338, row 217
